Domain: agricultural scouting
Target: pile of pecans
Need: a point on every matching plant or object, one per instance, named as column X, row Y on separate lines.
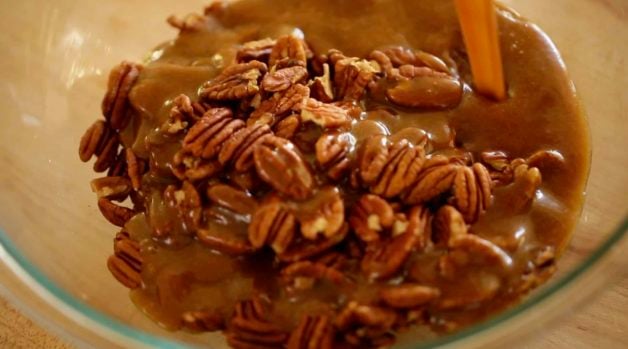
column 271, row 139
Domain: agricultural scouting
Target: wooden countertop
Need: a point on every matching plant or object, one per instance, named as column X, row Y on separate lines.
column 601, row 324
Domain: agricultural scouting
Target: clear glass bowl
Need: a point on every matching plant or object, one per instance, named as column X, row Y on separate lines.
column 55, row 58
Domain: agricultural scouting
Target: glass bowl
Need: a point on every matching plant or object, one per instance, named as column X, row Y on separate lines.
column 54, row 243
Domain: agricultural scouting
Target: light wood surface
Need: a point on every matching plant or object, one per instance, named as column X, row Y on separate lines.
column 601, row 324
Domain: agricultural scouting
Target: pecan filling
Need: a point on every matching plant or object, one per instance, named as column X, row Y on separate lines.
column 297, row 195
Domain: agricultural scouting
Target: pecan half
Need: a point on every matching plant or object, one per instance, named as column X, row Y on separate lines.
column 383, row 60
column 115, row 214
column 187, row 203
column 126, row 263
column 234, row 199
column 482, row 248
column 402, row 56
column 322, row 215
column 408, row 295
column 279, row 164
column 282, row 79
column 403, row 165
column 383, row 260
column 472, row 191
column 93, row 140
column 189, row 23
column 249, row 327
column 239, row 148
column 420, row 224
column 332, row 154
column 372, row 159
column 188, row 167
column 115, row 105
column 107, row 155
column 313, row 332
column 280, row 104
column 287, row 127
column 258, row 50
column 289, row 48
column 366, row 325
column 321, row 87
column 206, row 138
column 436, row 178
column 203, row 320
column 112, row 188
column 305, row 249
column 235, row 82
column 449, row 224
column 527, row 181
column 226, row 244
column 119, row 167
column 370, row 216
column 135, row 168
column 183, row 113
column 352, row 75
column 414, row 135
column 324, row 115
column 272, row 224
column 436, row 90
column 546, row 159
column 302, row 275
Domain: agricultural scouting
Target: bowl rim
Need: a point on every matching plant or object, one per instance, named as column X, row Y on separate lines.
column 96, row 321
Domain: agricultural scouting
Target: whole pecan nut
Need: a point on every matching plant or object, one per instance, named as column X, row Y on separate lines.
column 312, row 332
column 279, row 164
column 115, row 105
column 115, row 214
column 235, row 82
column 370, row 216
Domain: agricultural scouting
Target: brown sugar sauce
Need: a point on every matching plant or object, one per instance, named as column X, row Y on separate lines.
column 540, row 113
